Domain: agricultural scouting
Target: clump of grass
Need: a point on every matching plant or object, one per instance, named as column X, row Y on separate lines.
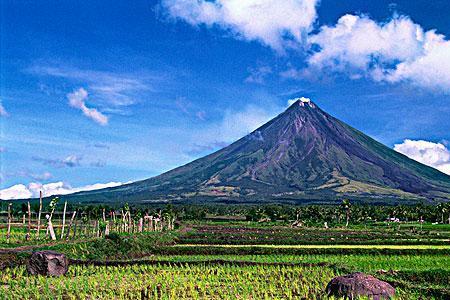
column 116, row 246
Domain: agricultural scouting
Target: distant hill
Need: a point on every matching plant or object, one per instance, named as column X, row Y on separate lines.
column 302, row 155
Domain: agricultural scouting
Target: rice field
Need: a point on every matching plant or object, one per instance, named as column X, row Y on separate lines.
column 414, row 247
column 368, row 263
column 175, row 282
column 163, row 265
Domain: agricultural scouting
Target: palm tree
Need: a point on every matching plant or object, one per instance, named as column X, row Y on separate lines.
column 442, row 209
column 447, row 208
column 346, row 207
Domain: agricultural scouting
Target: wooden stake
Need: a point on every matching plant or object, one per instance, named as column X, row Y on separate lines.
column 75, row 229
column 113, row 221
column 8, row 234
column 141, row 224
column 39, row 214
column 123, row 221
column 50, row 225
column 50, row 228
column 129, row 221
column 64, row 220
column 107, row 229
column 29, row 221
column 70, row 225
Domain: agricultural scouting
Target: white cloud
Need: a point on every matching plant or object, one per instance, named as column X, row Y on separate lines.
column 110, row 89
column 273, row 23
column 69, row 161
column 3, row 112
column 21, row 191
column 431, row 70
column 396, row 51
column 18, row 191
column 435, row 155
column 77, row 100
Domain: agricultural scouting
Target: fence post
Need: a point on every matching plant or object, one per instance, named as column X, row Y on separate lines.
column 39, row 214
column 113, row 225
column 50, row 228
column 123, row 221
column 75, row 229
column 70, row 224
column 64, row 220
column 8, row 234
column 129, row 222
column 49, row 220
column 28, row 236
column 112, row 222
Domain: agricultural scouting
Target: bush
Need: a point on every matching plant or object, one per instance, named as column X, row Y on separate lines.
column 115, row 237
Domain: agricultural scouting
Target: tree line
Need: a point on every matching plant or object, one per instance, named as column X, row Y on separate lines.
column 344, row 213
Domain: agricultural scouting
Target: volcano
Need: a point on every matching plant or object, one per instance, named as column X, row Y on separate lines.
column 303, row 155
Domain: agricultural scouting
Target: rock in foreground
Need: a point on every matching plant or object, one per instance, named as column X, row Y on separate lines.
column 359, row 284
column 48, row 263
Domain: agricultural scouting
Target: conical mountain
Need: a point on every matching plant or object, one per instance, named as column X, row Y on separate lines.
column 302, row 155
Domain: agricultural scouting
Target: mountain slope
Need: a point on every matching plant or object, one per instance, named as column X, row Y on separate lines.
column 303, row 154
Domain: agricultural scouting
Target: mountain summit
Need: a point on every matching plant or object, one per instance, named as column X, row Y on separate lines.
column 302, row 155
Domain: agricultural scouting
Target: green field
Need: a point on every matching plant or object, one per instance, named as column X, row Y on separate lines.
column 294, row 263
column 414, row 247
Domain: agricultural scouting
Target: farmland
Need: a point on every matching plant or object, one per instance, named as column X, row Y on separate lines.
column 207, row 258
column 179, row 282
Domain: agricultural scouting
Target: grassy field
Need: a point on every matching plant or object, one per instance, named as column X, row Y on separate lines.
column 173, row 282
column 414, row 247
column 292, row 264
column 237, row 234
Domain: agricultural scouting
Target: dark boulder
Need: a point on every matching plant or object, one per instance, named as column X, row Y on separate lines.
column 359, row 284
column 48, row 263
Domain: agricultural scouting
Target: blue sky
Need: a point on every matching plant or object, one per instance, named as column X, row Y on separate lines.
column 110, row 92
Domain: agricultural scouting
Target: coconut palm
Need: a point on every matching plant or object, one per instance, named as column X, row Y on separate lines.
column 345, row 205
column 442, row 209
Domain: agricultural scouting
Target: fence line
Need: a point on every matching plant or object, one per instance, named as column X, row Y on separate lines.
column 80, row 224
